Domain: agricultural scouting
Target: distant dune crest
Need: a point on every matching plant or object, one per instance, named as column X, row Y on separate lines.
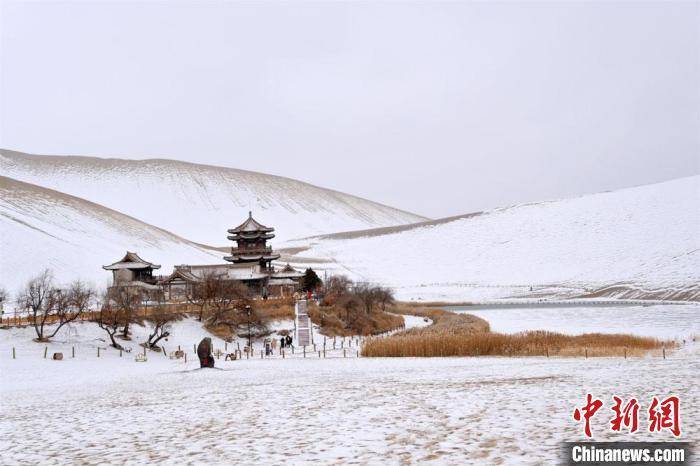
column 200, row 202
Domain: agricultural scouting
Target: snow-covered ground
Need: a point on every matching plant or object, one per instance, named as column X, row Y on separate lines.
column 660, row 321
column 200, row 202
column 302, row 411
column 646, row 237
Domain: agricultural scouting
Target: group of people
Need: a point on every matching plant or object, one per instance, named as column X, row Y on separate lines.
column 309, row 295
column 271, row 344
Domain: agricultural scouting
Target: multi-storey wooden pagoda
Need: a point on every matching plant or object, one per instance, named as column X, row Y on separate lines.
column 251, row 238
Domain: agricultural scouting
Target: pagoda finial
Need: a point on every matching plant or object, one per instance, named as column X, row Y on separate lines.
column 250, row 214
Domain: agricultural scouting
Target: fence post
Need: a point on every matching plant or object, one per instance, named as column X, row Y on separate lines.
column 98, row 351
column 14, row 355
column 547, row 350
column 185, row 358
column 73, row 352
column 46, row 349
column 343, row 352
column 304, row 350
column 586, row 353
column 261, row 354
column 664, row 352
column 625, row 353
column 120, row 352
column 282, row 353
column 194, row 348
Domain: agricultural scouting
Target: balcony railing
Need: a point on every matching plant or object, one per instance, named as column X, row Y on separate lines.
column 249, row 251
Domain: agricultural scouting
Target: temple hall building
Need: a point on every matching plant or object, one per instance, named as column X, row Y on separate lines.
column 131, row 270
column 249, row 262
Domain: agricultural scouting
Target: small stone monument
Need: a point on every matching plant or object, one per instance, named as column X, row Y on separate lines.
column 206, row 359
column 58, row 356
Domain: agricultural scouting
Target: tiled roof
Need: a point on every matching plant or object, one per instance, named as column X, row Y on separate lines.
column 131, row 261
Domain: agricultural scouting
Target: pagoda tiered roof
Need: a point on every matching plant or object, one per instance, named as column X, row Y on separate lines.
column 250, row 254
column 131, row 261
column 251, row 237
column 251, row 229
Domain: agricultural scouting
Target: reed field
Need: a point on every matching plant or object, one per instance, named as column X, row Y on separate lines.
column 454, row 334
column 534, row 343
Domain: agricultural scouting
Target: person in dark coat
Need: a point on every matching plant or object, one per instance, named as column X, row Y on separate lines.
column 282, row 341
column 289, row 340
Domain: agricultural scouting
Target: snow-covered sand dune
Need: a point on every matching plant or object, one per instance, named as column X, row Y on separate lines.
column 41, row 228
column 645, row 240
column 200, row 202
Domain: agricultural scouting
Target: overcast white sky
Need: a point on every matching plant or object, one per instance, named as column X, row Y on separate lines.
column 437, row 108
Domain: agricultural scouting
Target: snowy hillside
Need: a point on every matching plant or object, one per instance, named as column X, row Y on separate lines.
column 640, row 242
column 201, row 202
column 42, row 228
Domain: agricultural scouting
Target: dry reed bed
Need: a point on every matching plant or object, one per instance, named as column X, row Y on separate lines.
column 454, row 334
column 534, row 343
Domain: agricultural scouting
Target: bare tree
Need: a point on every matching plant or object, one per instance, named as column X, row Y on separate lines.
column 128, row 299
column 227, row 296
column 110, row 318
column 47, row 304
column 351, row 304
column 161, row 319
column 230, row 303
column 335, row 287
column 385, row 297
column 202, row 294
column 369, row 295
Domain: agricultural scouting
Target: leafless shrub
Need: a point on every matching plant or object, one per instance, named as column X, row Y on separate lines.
column 355, row 308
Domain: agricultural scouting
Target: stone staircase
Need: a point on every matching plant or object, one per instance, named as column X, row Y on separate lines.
column 302, row 324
